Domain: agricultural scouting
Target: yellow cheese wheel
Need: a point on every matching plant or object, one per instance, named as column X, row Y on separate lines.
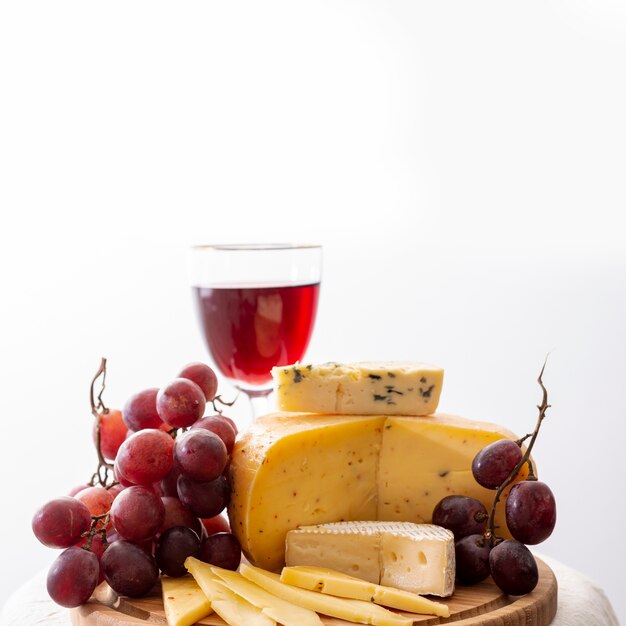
column 296, row 469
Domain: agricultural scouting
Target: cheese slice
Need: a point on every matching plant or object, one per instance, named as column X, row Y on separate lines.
column 184, row 602
column 367, row 388
column 302, row 469
column 233, row 609
column 350, row 610
column 335, row 583
column 280, row 610
column 415, row 557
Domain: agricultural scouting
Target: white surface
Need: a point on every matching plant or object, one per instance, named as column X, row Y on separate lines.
column 462, row 162
column 581, row 602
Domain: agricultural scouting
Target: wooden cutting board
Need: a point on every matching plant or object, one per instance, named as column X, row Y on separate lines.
column 480, row 605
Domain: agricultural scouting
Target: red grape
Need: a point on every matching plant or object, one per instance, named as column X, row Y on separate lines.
column 472, row 559
column 462, row 515
column 137, row 514
column 204, row 499
column 513, row 568
column 177, row 515
column 113, row 431
column 140, row 411
column 61, row 522
column 180, row 403
column 231, row 422
column 173, row 547
column 97, row 499
column 116, row 489
column 215, row 524
column 203, row 376
column 222, row 550
column 493, row 464
column 200, row 454
column 146, row 457
column 116, row 472
column 218, row 425
column 531, row 511
column 128, row 569
column 170, row 482
column 73, row 576
column 74, row 490
column 97, row 547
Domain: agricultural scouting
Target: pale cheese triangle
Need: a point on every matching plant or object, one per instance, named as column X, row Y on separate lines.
column 350, row 610
column 275, row 607
column 233, row 609
column 336, row 583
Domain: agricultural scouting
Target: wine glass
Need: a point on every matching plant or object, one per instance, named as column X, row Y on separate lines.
column 257, row 306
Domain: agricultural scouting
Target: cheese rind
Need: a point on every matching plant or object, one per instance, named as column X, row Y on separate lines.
column 366, row 388
column 233, row 609
column 299, row 469
column 183, row 601
column 337, row 584
column 415, row 557
column 351, row 610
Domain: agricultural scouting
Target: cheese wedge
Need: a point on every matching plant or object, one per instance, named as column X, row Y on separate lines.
column 233, row 609
column 280, row 610
column 415, row 557
column 302, row 469
column 367, row 388
column 184, row 602
column 335, row 583
column 350, row 610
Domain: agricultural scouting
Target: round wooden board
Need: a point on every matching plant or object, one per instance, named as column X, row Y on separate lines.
column 480, row 605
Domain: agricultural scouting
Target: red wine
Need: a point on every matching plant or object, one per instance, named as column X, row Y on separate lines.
column 249, row 330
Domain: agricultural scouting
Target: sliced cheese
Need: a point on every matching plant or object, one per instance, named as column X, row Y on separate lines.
column 184, row 602
column 335, row 583
column 350, row 610
column 233, row 609
column 302, row 469
column 415, row 557
column 366, row 388
column 280, row 610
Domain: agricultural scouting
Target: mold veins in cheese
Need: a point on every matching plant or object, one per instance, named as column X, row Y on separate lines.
column 302, row 469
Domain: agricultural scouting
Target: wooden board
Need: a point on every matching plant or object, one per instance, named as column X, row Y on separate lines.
column 480, row 605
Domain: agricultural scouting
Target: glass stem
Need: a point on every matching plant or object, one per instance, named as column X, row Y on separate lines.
column 259, row 401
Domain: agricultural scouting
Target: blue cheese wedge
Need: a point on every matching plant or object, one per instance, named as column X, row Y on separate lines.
column 366, row 388
column 414, row 557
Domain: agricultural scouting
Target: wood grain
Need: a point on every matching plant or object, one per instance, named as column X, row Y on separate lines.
column 480, row 605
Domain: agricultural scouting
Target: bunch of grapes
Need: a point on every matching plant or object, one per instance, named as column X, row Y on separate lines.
column 530, row 516
column 162, row 486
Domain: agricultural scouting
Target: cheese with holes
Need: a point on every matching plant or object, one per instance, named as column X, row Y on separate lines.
column 367, row 388
column 350, row 610
column 299, row 469
column 414, row 557
column 335, row 583
column 233, row 609
column 278, row 609
column 183, row 601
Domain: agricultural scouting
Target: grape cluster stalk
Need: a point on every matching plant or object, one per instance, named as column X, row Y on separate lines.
column 155, row 498
column 530, row 512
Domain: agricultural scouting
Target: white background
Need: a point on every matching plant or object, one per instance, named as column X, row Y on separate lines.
column 463, row 163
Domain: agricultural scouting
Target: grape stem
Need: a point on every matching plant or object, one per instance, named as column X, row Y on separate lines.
column 218, row 399
column 98, row 408
column 94, row 530
column 490, row 533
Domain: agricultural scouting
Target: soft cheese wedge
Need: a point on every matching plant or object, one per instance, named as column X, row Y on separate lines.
column 335, row 583
column 415, row 557
column 350, row 610
column 300, row 469
column 278, row 609
column 233, row 609
column 184, row 602
column 366, row 388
